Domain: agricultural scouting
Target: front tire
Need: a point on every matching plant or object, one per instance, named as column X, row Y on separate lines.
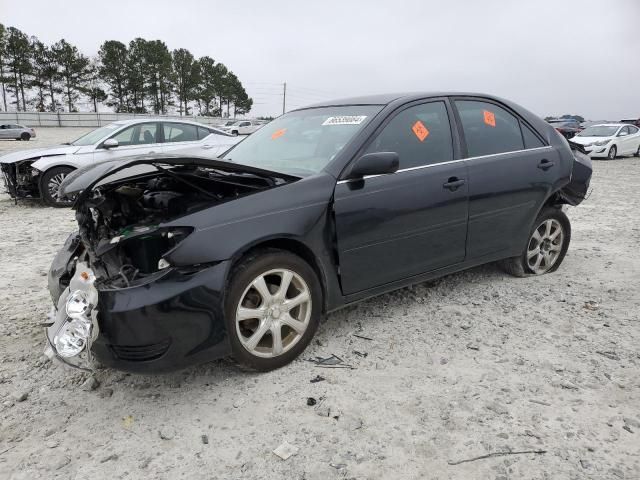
column 50, row 185
column 546, row 248
column 613, row 152
column 234, row 133
column 272, row 309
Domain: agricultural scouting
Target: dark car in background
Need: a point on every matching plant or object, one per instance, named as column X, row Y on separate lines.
column 568, row 127
column 180, row 260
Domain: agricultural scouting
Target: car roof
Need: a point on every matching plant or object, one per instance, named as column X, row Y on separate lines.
column 387, row 98
column 133, row 121
column 610, row 125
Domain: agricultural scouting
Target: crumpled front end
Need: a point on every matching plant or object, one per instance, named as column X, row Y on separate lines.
column 118, row 296
column 19, row 179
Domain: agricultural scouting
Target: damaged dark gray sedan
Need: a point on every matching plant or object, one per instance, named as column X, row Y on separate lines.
column 179, row 260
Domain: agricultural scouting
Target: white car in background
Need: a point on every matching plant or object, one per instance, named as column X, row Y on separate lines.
column 13, row 131
column 242, row 127
column 609, row 140
column 38, row 173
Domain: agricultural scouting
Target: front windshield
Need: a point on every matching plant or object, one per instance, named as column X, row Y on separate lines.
column 302, row 143
column 96, row 135
column 599, row 131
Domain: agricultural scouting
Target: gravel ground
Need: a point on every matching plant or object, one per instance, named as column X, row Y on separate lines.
column 473, row 364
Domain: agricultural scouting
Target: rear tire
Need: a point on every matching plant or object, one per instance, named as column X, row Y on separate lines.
column 613, row 152
column 284, row 322
column 49, row 185
column 638, row 151
column 546, row 247
column 25, row 136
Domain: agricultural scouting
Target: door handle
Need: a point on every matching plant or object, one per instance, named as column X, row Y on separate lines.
column 545, row 164
column 151, row 151
column 453, row 184
column 207, row 147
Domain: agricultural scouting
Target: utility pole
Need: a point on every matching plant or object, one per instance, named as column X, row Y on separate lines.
column 284, row 97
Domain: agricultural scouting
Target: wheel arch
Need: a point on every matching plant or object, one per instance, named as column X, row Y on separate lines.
column 290, row 245
column 40, row 178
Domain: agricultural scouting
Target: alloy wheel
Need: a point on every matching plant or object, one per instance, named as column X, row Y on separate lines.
column 273, row 313
column 545, row 246
column 612, row 152
column 54, row 185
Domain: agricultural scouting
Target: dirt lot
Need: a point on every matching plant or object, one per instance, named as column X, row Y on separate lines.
column 472, row 364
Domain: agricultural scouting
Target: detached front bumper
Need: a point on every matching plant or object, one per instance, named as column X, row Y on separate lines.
column 172, row 319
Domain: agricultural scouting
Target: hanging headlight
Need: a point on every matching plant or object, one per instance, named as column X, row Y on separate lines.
column 79, row 304
column 72, row 337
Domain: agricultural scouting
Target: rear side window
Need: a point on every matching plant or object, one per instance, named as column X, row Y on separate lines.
column 633, row 130
column 180, row 132
column 203, row 132
column 531, row 140
column 488, row 128
column 420, row 135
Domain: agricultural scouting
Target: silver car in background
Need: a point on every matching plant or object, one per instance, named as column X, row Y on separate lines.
column 38, row 173
column 13, row 131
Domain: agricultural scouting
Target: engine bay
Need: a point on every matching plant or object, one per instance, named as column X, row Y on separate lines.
column 120, row 221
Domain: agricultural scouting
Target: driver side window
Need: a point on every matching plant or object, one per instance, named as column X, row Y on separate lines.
column 141, row 134
column 125, row 137
column 420, row 135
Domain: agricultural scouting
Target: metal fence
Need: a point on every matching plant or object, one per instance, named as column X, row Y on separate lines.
column 88, row 119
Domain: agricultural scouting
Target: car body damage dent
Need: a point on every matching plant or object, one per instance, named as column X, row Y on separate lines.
column 577, row 189
column 129, row 224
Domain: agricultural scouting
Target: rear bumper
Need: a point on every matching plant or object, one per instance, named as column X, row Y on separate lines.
column 171, row 320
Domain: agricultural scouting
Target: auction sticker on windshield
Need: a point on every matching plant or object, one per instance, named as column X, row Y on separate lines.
column 345, row 120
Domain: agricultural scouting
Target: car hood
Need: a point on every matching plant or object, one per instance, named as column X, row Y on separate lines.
column 35, row 153
column 84, row 179
column 587, row 140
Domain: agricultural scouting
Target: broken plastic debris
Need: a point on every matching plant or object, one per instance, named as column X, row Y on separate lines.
column 330, row 362
column 127, row 421
column 285, row 450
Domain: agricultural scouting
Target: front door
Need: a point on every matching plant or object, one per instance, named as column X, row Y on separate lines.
column 138, row 139
column 392, row 227
column 511, row 174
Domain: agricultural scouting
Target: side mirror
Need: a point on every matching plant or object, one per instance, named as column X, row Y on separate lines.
column 110, row 143
column 378, row 163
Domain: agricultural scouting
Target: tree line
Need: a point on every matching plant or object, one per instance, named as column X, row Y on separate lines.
column 142, row 77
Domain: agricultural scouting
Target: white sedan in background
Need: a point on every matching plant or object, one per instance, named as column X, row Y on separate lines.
column 38, row 173
column 609, row 140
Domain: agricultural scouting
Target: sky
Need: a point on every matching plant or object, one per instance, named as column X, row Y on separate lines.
column 551, row 56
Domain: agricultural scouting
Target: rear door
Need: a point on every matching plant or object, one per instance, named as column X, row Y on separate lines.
column 392, row 227
column 179, row 136
column 511, row 174
column 634, row 139
column 627, row 141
